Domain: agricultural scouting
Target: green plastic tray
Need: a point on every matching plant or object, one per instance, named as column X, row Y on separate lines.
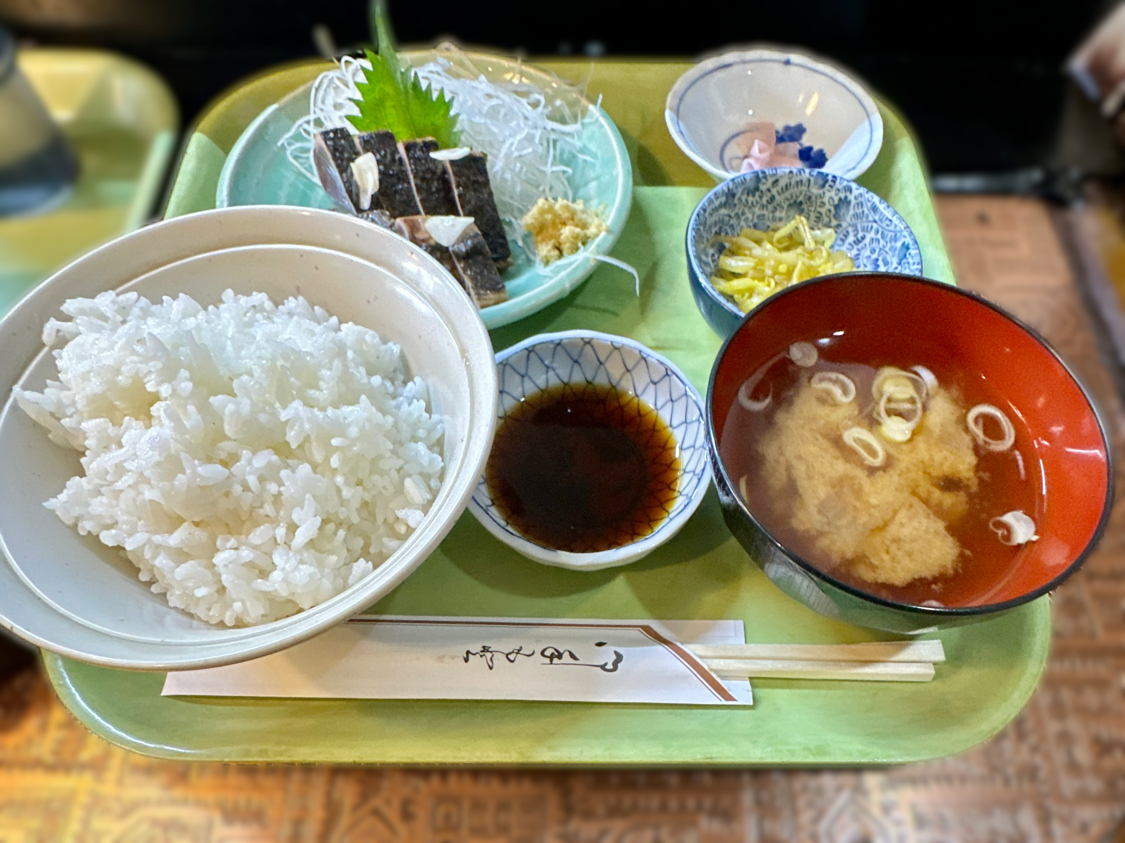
column 992, row 668
column 123, row 122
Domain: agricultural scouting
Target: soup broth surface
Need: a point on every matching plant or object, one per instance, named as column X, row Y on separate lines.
column 915, row 529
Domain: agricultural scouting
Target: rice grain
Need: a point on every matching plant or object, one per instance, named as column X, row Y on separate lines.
column 252, row 460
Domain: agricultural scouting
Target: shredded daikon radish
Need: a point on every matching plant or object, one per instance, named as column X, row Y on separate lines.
column 531, row 136
column 330, row 103
column 975, row 420
column 1014, row 528
column 620, row 264
column 517, row 99
column 587, row 255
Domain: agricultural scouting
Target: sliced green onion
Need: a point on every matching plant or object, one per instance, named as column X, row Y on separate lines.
column 804, row 354
column 1014, row 528
column 909, row 409
column 750, row 404
column 864, row 443
column 975, row 420
column 836, row 384
column 926, row 375
column 897, row 429
column 898, row 383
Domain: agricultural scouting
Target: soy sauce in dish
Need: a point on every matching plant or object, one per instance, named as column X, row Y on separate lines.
column 583, row 468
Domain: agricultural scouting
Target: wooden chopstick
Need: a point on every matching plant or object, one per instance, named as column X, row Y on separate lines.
column 874, row 661
column 806, row 669
column 873, row 651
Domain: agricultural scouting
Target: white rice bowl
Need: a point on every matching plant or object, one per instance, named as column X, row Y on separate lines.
column 73, row 595
column 252, row 460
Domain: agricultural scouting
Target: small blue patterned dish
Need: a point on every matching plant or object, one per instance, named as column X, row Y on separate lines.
column 587, row 357
column 867, row 228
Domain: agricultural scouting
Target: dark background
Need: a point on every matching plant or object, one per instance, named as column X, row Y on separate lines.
column 980, row 80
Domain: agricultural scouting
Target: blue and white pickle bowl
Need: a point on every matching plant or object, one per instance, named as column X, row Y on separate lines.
column 867, row 228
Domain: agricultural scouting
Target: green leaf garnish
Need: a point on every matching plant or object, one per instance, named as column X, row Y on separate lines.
column 392, row 97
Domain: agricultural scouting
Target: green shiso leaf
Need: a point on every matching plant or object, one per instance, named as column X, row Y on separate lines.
column 392, row 97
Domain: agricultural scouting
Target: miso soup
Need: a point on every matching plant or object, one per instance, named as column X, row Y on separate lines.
column 889, row 475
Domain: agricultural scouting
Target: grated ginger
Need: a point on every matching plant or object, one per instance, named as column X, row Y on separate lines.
column 561, row 227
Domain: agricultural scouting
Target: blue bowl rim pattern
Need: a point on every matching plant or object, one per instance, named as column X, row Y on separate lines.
column 733, row 183
column 931, row 611
column 691, row 495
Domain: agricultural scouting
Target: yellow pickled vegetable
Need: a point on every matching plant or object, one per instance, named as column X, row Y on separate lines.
column 756, row 264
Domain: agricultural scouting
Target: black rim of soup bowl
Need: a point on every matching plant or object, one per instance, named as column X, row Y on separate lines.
column 728, row 490
column 695, row 270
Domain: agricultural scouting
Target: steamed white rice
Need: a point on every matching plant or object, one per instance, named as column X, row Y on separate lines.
column 252, row 460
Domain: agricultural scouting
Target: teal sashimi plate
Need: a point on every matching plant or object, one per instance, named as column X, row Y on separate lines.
column 258, row 172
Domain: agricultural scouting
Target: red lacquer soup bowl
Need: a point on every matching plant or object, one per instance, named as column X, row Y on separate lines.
column 1056, row 472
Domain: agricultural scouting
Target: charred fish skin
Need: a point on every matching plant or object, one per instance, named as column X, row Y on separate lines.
column 476, row 269
column 410, row 180
column 404, row 154
column 467, row 259
column 334, row 150
column 396, row 191
column 432, row 183
column 474, row 199
column 378, row 217
column 413, row 228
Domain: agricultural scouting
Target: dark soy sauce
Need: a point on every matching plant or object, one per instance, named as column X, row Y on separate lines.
column 583, row 468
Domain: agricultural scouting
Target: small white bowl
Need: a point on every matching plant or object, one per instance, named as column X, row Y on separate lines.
column 710, row 105
column 73, row 595
column 547, row 360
